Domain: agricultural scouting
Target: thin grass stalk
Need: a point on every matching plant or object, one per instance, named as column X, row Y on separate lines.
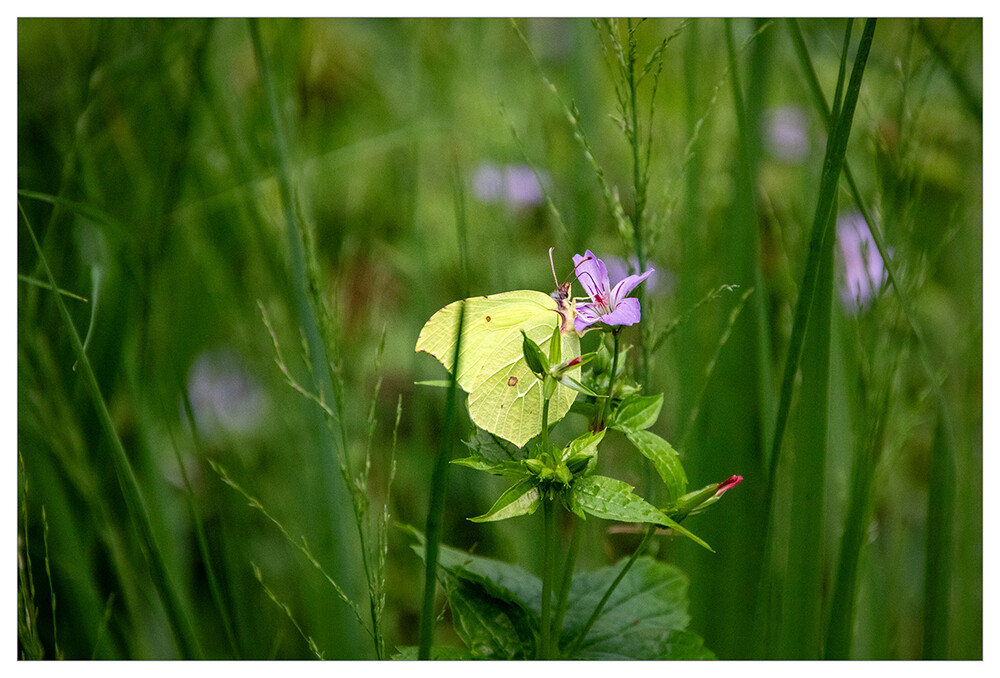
column 973, row 102
column 308, row 306
column 439, row 490
column 840, row 624
column 944, row 475
column 937, row 560
column 748, row 110
column 832, row 166
column 52, row 590
column 138, row 512
column 199, row 528
column 802, row 588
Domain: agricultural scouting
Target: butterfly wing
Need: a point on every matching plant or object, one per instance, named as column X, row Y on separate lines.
column 505, row 398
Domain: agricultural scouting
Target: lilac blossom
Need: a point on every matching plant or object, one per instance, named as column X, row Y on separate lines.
column 619, row 268
column 514, row 185
column 864, row 271
column 224, row 397
column 787, row 136
column 608, row 305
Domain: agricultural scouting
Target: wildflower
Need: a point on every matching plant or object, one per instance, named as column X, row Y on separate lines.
column 515, row 185
column 787, row 135
column 608, row 304
column 225, row 398
column 864, row 271
column 619, row 268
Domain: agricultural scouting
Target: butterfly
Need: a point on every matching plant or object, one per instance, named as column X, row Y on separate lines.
column 505, row 397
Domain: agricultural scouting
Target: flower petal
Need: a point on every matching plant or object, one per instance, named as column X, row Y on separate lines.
column 585, row 317
column 622, row 289
column 592, row 274
column 626, row 313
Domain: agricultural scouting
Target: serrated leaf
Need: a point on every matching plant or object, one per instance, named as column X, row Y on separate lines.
column 522, row 498
column 503, row 580
column 645, row 618
column 637, row 413
column 645, row 644
column 614, row 500
column 491, row 627
column 665, row 460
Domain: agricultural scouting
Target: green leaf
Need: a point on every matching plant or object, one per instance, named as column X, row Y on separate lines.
column 664, row 457
column 510, row 582
column 614, row 500
column 494, row 449
column 646, row 617
column 648, row 644
column 508, row 469
column 585, row 445
column 438, row 652
column 637, row 413
column 522, row 498
column 492, row 628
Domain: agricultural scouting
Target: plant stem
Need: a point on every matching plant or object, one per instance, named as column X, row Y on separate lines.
column 575, row 647
column 545, row 641
column 611, row 381
column 439, row 486
column 567, row 580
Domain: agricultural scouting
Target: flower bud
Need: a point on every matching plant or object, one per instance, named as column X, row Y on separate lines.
column 728, row 484
column 537, row 362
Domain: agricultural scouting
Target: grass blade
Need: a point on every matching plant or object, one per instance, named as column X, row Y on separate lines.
column 127, row 481
column 435, row 514
column 802, row 589
column 332, row 450
column 832, row 166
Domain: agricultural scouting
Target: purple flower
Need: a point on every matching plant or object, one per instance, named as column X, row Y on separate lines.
column 608, row 304
column 787, row 135
column 225, row 398
column 864, row 271
column 660, row 282
column 515, row 185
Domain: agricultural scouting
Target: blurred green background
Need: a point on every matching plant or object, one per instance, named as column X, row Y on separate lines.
column 148, row 166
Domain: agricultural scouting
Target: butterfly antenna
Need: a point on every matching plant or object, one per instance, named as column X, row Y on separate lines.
column 555, row 278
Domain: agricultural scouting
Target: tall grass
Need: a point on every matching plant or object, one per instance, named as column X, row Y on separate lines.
column 182, row 176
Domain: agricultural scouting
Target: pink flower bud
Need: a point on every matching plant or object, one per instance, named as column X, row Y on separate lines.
column 728, row 485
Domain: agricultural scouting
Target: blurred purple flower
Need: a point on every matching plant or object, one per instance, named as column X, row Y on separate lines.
column 514, row 185
column 618, row 269
column 607, row 305
column 864, row 271
column 224, row 397
column 787, row 136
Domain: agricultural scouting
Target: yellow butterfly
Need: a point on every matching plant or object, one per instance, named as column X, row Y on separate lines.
column 505, row 397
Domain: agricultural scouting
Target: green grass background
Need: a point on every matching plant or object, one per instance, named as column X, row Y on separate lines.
column 149, row 166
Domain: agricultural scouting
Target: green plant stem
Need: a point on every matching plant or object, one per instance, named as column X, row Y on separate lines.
column 435, row 514
column 127, row 481
column 550, row 509
column 567, row 579
column 611, row 381
column 595, row 615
